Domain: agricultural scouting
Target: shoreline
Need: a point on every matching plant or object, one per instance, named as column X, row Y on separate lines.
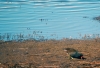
column 49, row 54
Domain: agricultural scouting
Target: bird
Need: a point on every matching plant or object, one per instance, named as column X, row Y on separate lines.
column 77, row 55
column 74, row 53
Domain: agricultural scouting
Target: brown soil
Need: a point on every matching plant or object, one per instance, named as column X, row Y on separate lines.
column 49, row 54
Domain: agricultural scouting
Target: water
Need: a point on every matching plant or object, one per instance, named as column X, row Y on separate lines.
column 50, row 18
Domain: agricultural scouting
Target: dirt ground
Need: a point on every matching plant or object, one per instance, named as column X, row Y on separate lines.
column 49, row 54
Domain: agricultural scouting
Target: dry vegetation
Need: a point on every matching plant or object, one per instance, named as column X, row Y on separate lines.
column 49, row 54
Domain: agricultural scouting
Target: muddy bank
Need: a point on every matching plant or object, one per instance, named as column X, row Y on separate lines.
column 49, row 54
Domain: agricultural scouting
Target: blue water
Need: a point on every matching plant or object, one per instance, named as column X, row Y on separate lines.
column 50, row 18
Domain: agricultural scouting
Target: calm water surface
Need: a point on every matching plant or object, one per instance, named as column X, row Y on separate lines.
column 50, row 18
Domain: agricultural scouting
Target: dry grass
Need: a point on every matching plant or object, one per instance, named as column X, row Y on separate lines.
column 49, row 54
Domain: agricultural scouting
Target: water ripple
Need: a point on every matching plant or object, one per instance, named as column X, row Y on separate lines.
column 63, row 18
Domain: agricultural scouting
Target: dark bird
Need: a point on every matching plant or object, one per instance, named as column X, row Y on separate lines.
column 74, row 53
column 77, row 55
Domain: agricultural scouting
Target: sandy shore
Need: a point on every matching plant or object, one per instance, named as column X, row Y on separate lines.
column 49, row 54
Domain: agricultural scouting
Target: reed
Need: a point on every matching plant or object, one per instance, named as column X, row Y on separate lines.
column 38, row 36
